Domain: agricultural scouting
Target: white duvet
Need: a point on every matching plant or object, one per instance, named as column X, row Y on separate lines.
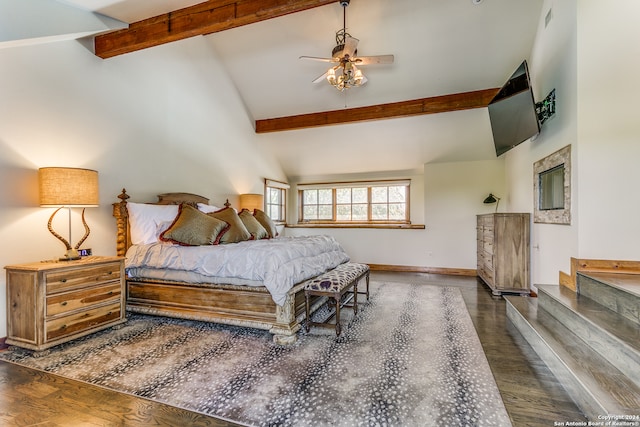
column 276, row 263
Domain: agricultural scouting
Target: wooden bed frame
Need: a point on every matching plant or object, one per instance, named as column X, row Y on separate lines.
column 247, row 306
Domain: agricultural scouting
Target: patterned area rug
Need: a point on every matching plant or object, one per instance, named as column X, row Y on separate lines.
column 411, row 357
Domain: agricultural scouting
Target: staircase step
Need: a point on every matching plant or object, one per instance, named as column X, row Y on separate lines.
column 596, row 386
column 617, row 291
column 611, row 335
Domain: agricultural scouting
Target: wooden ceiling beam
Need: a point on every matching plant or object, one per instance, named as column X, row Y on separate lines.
column 433, row 105
column 201, row 19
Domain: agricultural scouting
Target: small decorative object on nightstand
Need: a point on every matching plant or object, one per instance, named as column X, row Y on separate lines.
column 51, row 302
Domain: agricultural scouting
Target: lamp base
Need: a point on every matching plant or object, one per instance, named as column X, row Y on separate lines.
column 70, row 255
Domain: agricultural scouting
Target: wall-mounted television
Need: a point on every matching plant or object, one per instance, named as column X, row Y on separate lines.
column 513, row 112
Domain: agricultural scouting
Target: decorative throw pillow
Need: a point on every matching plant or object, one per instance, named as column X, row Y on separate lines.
column 266, row 222
column 237, row 231
column 144, row 220
column 194, row 228
column 253, row 225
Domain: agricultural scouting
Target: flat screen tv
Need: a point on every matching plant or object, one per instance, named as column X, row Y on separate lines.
column 513, row 112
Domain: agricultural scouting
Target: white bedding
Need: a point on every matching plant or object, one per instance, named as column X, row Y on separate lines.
column 277, row 263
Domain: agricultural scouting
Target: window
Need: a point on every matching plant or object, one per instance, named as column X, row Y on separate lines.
column 276, row 200
column 381, row 202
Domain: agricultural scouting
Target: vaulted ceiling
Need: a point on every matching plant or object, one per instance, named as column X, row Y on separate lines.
column 440, row 48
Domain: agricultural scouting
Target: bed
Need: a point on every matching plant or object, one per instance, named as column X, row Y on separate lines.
column 173, row 280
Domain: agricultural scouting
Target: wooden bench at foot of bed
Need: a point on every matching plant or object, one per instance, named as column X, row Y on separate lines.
column 334, row 284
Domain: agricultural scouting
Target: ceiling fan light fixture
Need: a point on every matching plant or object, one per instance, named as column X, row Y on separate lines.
column 331, row 76
column 358, row 78
column 344, row 73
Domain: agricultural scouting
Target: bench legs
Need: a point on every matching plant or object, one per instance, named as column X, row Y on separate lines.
column 366, row 291
column 335, row 298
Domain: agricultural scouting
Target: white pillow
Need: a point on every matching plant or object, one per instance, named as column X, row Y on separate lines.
column 145, row 219
column 207, row 208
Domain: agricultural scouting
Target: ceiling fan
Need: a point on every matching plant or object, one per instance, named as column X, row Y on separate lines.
column 345, row 73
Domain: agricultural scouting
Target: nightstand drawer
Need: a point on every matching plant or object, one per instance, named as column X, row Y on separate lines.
column 58, row 281
column 84, row 320
column 81, row 299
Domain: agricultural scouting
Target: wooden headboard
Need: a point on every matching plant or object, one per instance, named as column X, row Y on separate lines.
column 123, row 240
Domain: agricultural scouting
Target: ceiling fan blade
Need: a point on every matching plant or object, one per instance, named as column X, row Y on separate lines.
column 316, row 58
column 368, row 60
column 350, row 46
column 321, row 78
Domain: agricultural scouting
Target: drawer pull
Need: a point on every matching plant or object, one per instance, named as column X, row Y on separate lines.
column 63, row 327
column 63, row 280
column 63, row 303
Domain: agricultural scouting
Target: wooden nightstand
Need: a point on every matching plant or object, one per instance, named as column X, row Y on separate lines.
column 52, row 302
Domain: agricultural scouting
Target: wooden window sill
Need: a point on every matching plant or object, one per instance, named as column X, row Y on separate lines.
column 360, row 225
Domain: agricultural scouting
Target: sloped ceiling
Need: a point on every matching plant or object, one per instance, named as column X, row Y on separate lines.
column 440, row 47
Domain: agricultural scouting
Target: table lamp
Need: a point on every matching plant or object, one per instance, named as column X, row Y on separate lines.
column 251, row 202
column 68, row 188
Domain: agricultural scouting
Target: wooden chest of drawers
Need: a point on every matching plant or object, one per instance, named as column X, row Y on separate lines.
column 51, row 302
column 503, row 251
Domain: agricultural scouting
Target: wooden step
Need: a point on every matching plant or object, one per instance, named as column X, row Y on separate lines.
column 611, row 335
column 595, row 385
column 616, row 291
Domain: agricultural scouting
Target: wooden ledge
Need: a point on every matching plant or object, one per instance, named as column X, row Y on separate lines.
column 342, row 225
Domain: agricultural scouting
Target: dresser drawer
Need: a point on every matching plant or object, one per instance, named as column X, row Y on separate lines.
column 80, row 321
column 487, row 246
column 486, row 275
column 81, row 299
column 485, row 260
column 65, row 280
column 485, row 220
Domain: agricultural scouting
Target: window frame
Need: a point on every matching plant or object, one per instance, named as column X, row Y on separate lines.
column 334, row 186
column 283, row 188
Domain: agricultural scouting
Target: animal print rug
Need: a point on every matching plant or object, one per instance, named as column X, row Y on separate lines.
column 410, row 357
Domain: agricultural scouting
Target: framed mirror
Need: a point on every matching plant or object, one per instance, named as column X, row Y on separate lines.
column 552, row 188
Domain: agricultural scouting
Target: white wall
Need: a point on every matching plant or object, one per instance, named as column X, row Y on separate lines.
column 552, row 65
column 445, row 198
column 609, row 129
column 163, row 119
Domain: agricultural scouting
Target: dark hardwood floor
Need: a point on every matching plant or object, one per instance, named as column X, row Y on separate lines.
column 532, row 395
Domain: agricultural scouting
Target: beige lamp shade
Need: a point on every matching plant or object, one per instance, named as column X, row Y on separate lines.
column 68, row 187
column 251, row 201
